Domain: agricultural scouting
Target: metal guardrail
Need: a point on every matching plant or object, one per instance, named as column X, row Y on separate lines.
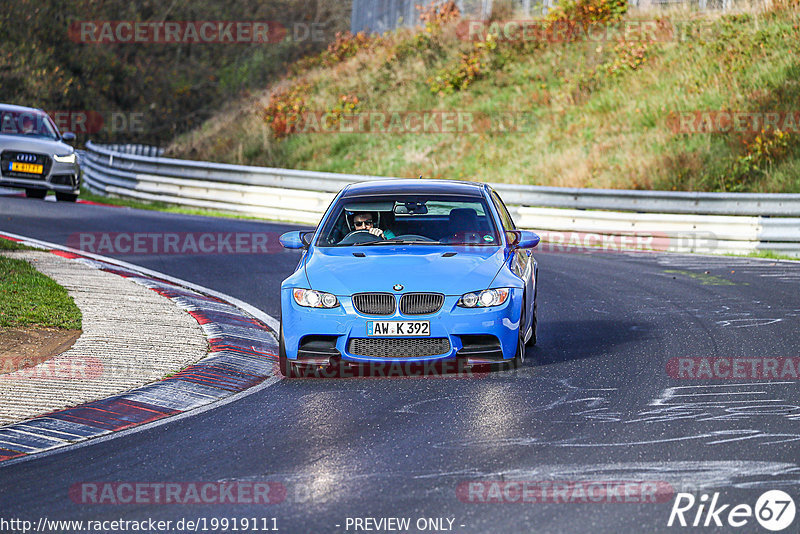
column 379, row 16
column 137, row 150
column 691, row 222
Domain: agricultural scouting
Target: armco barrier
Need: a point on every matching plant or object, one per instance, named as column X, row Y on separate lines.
column 686, row 221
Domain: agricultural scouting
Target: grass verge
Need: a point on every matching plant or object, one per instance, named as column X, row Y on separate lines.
column 7, row 244
column 770, row 255
column 165, row 207
column 599, row 113
column 27, row 297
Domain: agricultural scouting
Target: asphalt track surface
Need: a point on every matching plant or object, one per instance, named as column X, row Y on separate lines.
column 593, row 402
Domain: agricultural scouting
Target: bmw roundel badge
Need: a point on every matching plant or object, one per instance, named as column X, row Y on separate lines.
column 397, row 287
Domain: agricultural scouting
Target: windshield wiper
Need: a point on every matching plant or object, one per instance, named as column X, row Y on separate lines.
column 397, row 242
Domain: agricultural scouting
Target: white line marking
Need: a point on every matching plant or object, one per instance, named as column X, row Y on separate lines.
column 147, row 426
column 252, row 310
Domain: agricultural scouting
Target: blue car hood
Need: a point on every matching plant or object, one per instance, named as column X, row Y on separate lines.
column 417, row 268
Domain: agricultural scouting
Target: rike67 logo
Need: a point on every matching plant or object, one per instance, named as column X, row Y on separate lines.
column 774, row 510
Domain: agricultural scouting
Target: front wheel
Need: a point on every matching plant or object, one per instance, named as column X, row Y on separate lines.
column 286, row 367
column 519, row 355
column 35, row 193
column 66, row 197
column 532, row 339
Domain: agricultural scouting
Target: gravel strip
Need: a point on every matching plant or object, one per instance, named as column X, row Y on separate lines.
column 131, row 336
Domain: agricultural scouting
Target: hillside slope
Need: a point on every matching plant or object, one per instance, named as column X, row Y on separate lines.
column 597, row 112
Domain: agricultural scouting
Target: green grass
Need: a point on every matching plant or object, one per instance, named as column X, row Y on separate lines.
column 29, row 298
column 705, row 279
column 770, row 255
column 163, row 206
column 7, row 244
column 596, row 126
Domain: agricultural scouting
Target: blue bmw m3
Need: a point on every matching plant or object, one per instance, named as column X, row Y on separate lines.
column 411, row 271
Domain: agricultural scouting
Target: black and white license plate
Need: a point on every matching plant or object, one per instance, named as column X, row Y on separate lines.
column 398, row 328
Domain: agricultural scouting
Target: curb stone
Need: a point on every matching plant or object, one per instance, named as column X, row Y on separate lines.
column 131, row 336
column 242, row 354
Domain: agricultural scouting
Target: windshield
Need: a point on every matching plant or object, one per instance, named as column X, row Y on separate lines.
column 407, row 219
column 27, row 123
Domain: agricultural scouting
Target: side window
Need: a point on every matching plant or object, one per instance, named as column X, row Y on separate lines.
column 508, row 222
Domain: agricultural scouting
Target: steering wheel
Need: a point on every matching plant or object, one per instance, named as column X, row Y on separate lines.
column 359, row 236
column 412, row 237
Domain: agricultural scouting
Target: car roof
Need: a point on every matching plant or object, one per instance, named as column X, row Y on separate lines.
column 19, row 109
column 414, row 187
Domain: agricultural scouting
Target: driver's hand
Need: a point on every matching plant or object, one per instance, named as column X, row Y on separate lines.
column 377, row 231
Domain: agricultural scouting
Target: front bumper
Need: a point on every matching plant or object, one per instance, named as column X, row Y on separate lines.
column 317, row 335
column 63, row 177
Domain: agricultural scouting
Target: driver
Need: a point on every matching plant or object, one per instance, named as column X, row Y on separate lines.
column 365, row 221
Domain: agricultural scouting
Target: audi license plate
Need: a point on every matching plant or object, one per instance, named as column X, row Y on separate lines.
column 26, row 167
column 398, row 328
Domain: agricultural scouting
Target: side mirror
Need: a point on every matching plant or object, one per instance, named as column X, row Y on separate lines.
column 521, row 239
column 527, row 239
column 296, row 239
column 513, row 238
column 68, row 136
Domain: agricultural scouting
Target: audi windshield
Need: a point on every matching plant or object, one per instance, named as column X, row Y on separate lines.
column 27, row 123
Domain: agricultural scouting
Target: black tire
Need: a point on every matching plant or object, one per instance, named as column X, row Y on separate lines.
column 285, row 366
column 519, row 355
column 36, row 193
column 66, row 197
column 532, row 340
column 290, row 369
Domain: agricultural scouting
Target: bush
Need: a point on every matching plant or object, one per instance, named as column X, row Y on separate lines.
column 435, row 15
column 285, row 109
column 587, row 11
column 760, row 155
column 469, row 67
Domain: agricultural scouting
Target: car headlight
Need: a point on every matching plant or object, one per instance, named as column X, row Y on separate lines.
column 69, row 158
column 483, row 299
column 314, row 299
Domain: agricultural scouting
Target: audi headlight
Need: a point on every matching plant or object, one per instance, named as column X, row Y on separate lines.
column 314, row 299
column 69, row 158
column 483, row 299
